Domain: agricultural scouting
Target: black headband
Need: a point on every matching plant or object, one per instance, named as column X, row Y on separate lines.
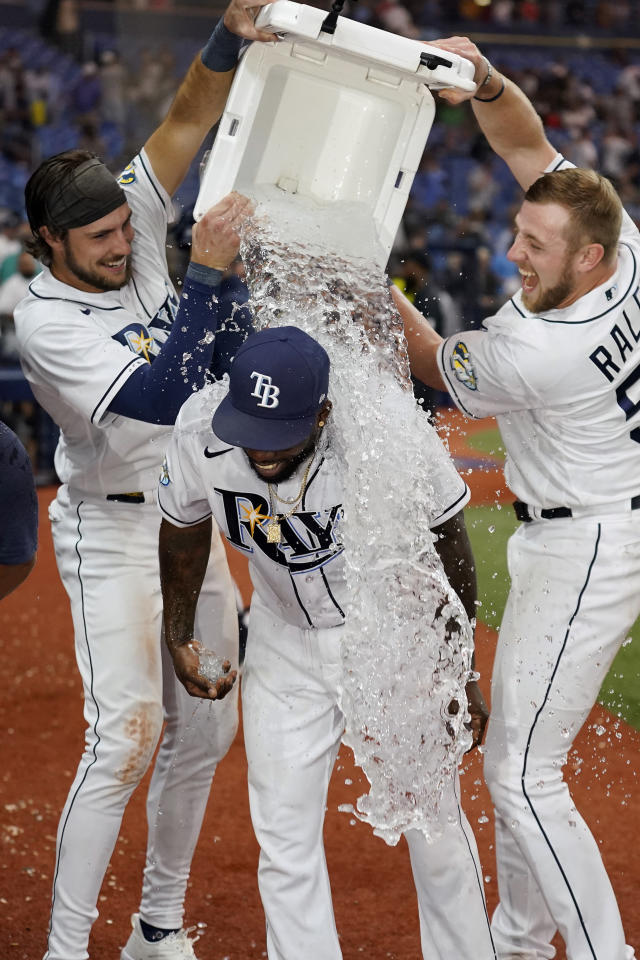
column 88, row 194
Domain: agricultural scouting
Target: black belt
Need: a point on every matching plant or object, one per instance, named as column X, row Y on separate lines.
column 554, row 513
column 126, row 497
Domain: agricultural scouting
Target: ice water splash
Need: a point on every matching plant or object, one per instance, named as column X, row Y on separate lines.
column 210, row 666
column 406, row 646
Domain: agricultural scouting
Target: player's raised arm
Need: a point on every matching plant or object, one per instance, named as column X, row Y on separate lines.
column 155, row 392
column 505, row 115
column 184, row 555
column 200, row 100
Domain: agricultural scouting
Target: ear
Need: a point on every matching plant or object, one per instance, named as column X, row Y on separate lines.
column 589, row 257
column 324, row 413
column 54, row 241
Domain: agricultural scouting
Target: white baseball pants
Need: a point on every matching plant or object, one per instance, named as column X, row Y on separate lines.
column 107, row 555
column 575, row 593
column 292, row 728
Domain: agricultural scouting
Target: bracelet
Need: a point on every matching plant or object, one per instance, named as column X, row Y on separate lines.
column 489, row 73
column 222, row 48
column 491, row 99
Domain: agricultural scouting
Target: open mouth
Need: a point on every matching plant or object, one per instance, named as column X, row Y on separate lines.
column 268, row 469
column 529, row 280
column 115, row 266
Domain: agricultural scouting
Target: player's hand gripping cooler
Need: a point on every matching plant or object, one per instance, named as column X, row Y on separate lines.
column 338, row 116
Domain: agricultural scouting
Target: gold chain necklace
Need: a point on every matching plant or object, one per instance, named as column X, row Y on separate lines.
column 274, row 529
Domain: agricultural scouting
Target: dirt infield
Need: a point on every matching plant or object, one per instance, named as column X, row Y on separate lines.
column 41, row 719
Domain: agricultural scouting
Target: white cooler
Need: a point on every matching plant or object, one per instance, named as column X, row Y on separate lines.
column 341, row 117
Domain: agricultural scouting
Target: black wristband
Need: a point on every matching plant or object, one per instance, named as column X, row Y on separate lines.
column 222, row 49
column 491, row 99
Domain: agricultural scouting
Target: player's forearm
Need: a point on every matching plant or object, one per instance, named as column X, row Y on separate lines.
column 198, row 105
column 513, row 128
column 184, row 555
column 155, row 393
column 422, row 342
column 454, row 549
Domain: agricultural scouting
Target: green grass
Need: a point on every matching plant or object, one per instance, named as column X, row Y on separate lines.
column 487, row 442
column 489, row 528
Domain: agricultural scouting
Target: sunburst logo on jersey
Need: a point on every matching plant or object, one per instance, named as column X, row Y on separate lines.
column 165, row 479
column 140, row 341
column 252, row 515
column 127, row 176
column 463, row 367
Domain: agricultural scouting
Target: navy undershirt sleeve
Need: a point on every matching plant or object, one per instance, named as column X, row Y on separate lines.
column 156, row 392
column 236, row 323
column 18, row 504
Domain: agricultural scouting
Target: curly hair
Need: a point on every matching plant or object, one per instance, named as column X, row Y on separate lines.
column 48, row 175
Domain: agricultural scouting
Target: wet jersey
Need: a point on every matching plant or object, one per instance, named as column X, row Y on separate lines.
column 564, row 387
column 302, row 578
column 77, row 350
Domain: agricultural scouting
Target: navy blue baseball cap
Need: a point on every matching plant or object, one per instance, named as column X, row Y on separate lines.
column 278, row 382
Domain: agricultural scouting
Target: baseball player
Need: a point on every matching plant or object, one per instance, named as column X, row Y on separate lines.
column 18, row 513
column 267, row 474
column 112, row 354
column 558, row 366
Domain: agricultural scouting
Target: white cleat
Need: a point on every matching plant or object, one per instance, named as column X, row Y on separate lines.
column 175, row 946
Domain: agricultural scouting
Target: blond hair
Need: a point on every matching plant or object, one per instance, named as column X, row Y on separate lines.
column 595, row 210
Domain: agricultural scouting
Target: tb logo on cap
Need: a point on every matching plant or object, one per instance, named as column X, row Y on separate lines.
column 265, row 389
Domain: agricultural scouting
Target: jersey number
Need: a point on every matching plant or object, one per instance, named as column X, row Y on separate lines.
column 630, row 408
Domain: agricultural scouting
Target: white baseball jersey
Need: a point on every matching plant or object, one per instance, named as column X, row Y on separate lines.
column 78, row 349
column 564, row 386
column 302, row 579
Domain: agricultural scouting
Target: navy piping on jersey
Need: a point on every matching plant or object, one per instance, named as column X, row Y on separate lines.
column 322, row 573
column 452, row 388
column 95, row 725
column 82, row 303
column 182, row 523
column 331, row 596
column 533, row 726
column 135, row 360
column 451, row 506
column 614, row 306
column 475, row 867
column 140, row 300
column 300, row 603
column 151, row 180
column 559, row 164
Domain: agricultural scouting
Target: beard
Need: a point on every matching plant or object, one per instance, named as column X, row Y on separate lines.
column 543, row 300
column 289, row 466
column 92, row 277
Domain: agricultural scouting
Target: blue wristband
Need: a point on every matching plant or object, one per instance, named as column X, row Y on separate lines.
column 200, row 273
column 222, row 49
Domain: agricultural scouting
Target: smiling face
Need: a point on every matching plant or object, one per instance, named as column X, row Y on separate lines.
column 276, row 466
column 95, row 258
column 546, row 260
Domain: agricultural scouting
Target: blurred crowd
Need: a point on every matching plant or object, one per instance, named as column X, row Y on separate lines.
column 61, row 87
